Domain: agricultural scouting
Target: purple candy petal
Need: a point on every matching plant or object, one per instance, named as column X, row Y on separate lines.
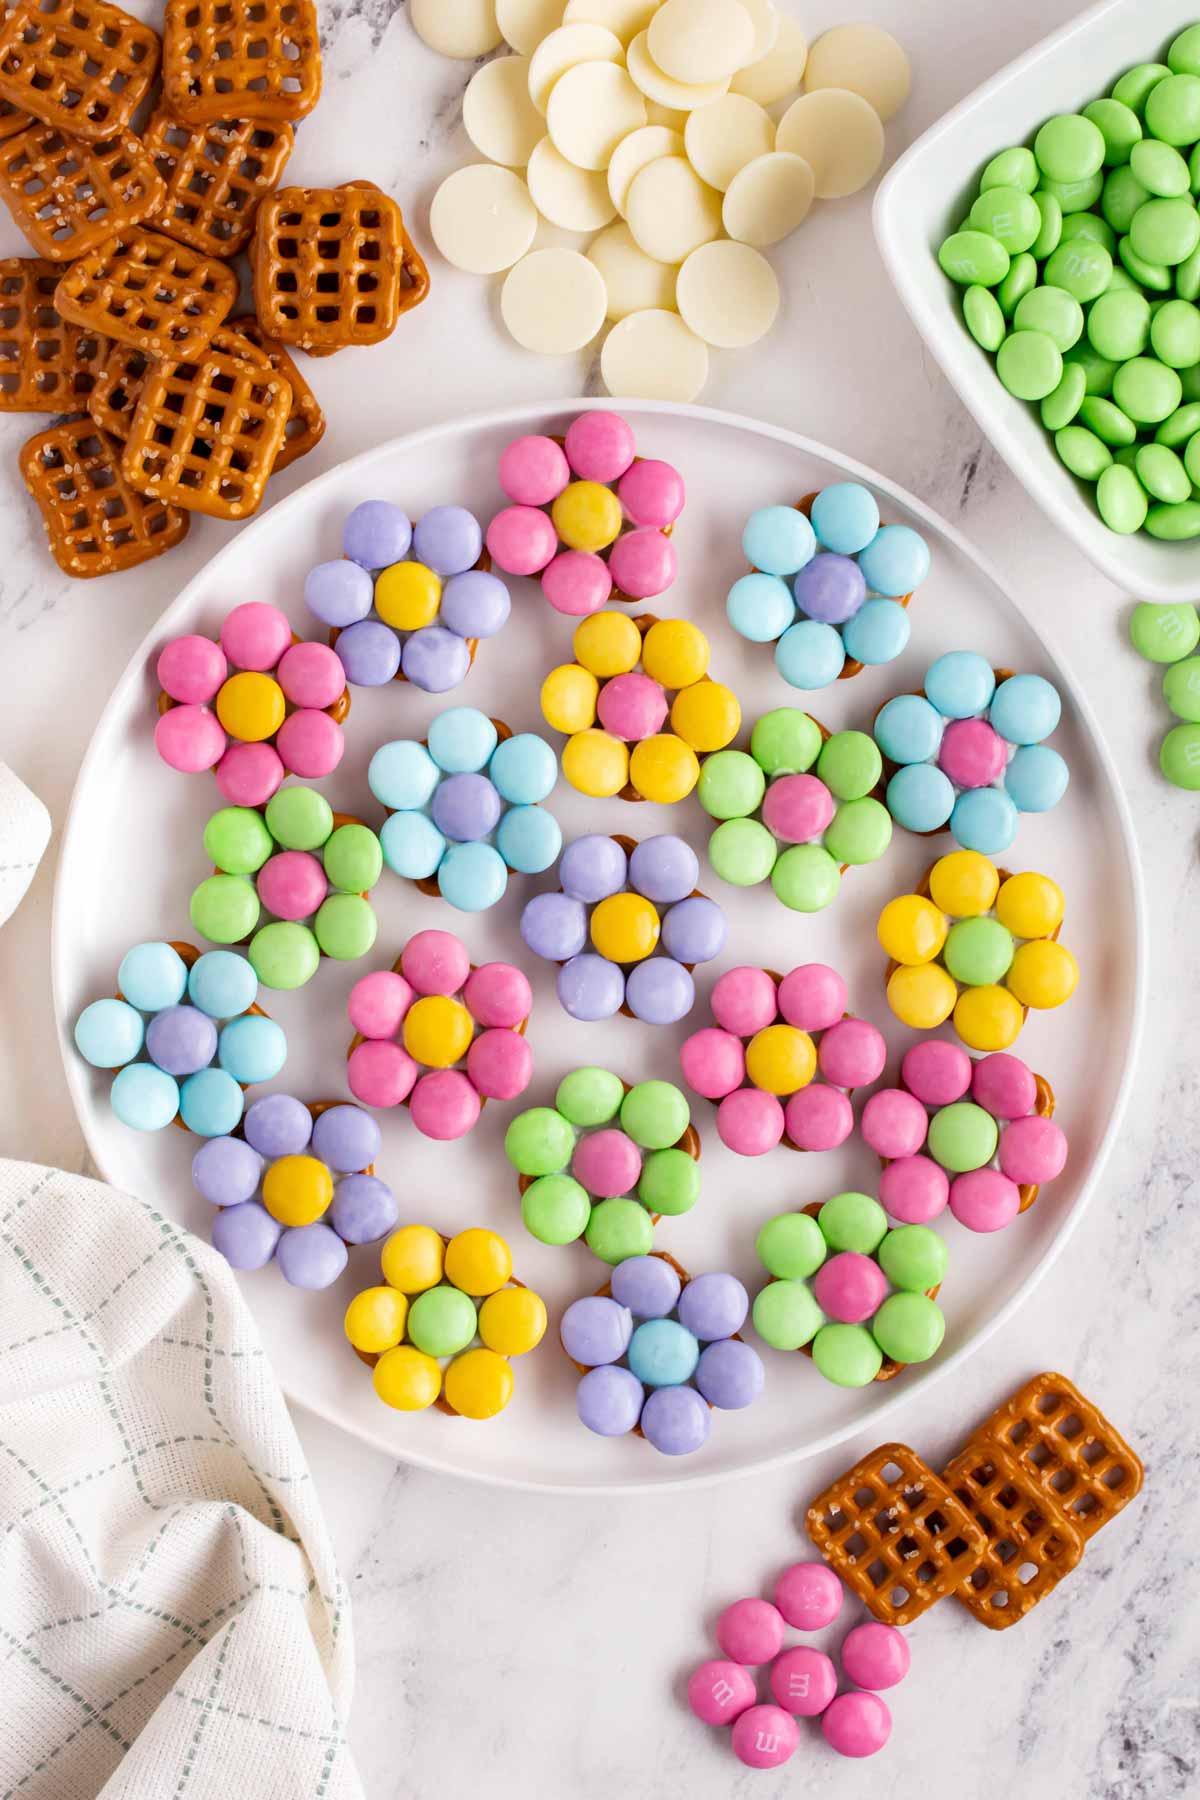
column 695, row 930
column 664, row 868
column 181, row 1040
column 730, row 1374
column 647, row 1285
column 434, row 659
column 226, row 1171
column 675, row 1420
column 590, row 987
column 246, row 1235
column 370, row 653
column 595, row 1330
column 592, row 868
column 448, row 540
column 376, row 534
column 346, row 1138
column 713, row 1306
column 475, row 605
column 278, row 1125
column 609, row 1400
column 339, row 593
column 554, row 926
column 364, row 1209
column 660, row 991
column 310, row 1256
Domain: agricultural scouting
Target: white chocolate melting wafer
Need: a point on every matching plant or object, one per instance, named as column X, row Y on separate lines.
column 624, row 17
column 680, row 96
column 778, row 72
column 727, row 294
column 525, row 23
column 634, row 152
column 482, row 218
column 722, row 138
column 671, row 212
column 500, row 118
column 701, row 40
column 575, row 199
column 767, row 199
column 838, row 134
column 633, row 281
column 653, row 356
column 564, row 49
column 466, row 28
column 553, row 301
column 865, row 59
column 592, row 107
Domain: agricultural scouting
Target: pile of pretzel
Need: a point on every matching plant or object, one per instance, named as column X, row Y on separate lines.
column 124, row 310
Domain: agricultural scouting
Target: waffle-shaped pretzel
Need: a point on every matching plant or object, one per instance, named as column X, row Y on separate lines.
column 141, row 288
column 46, row 364
column 94, row 520
column 206, row 433
column 68, row 196
column 896, row 1534
column 1030, row 1546
column 334, row 266
column 215, row 176
column 241, row 59
column 12, row 119
column 82, row 65
column 306, row 422
column 118, row 387
column 1077, row 1462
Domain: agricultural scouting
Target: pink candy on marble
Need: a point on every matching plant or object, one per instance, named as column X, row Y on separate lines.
column 984, row 1200
column 750, row 1631
column 379, row 1002
column 719, row 1690
column 435, row 962
column 191, row 670
column 444, row 1105
column 643, row 563
column 1032, row 1150
column 248, row 774
column 310, row 743
column 292, row 884
column 311, row 675
column 809, row 1595
column 856, row 1724
column 764, row 1737
column 498, row 994
column 255, row 635
column 189, row 738
column 972, row 753
column 1004, row 1086
column 380, row 1073
column 797, row 808
column 803, row 1681
column 713, row 1062
column 851, row 1053
column 894, row 1123
column 876, row 1656
column 500, row 1064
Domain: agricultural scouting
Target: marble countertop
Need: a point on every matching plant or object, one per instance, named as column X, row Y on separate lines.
column 510, row 1642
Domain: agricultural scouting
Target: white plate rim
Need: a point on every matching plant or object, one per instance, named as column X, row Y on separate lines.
column 524, row 414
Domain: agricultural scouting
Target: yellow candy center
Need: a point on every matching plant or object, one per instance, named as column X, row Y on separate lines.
column 780, row 1059
column 587, row 516
column 437, row 1031
column 251, row 706
column 297, row 1190
column 625, row 927
column 407, row 596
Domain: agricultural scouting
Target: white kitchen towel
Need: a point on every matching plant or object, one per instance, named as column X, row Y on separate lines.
column 172, row 1625
column 24, row 834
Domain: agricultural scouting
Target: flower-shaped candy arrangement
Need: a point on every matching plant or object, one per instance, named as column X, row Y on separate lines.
column 185, row 1035
column 616, row 1142
column 465, row 807
column 605, row 683
column 416, row 1022
column 442, row 1326
column 758, row 1061
column 408, row 602
column 968, row 754
column 979, row 945
column 977, row 1136
column 296, row 1187
column 630, row 900
column 254, row 707
column 858, row 1297
column 307, row 866
column 657, row 1350
column 797, row 810
column 588, row 516
column 830, row 594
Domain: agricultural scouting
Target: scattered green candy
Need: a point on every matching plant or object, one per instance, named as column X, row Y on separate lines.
column 1135, row 85
column 1123, row 193
column 731, row 784
column 805, row 878
column 539, row 1141
column 1183, row 58
column 1080, row 266
column 353, row 859
column 1108, row 422
column 1165, row 232
column 785, row 741
column 1091, row 226
column 1081, row 451
column 588, row 1097
column 224, row 908
column 849, row 764
column 1022, row 276
column 1155, row 276
column 1126, row 455
column 299, row 818
column 1007, row 214
column 655, row 1114
column 785, row 1315
column 670, row 1182
column 1174, row 523
column 1070, row 147
column 1118, row 125
column 913, row 1257
column 1173, row 109
column 1015, row 168
column 1072, row 196
column 1160, row 169
column 1121, row 499
column 742, row 852
column 791, row 1246
column 1162, row 474
column 555, row 1209
column 442, row 1321
column 1060, row 407
column 859, row 832
column 847, row 1355
column 853, row 1221
column 1098, row 370
column 1175, row 334
column 1118, row 325
column 1029, row 364
column 284, row 954
column 961, row 1137
column 619, row 1228
column 1166, row 633
column 1187, row 275
column 345, row 926
column 1052, row 221
column 1181, row 689
column 985, row 322
column 1183, row 424
column 1051, row 310
column 1146, row 390
column 974, row 257
column 909, row 1328
column 979, row 951
column 237, row 841
column 1179, row 757
column 1191, row 459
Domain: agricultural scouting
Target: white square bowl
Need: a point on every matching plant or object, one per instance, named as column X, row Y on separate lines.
column 928, row 193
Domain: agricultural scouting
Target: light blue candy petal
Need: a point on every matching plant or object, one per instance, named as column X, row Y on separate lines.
column 810, row 655
column 529, row 839
column 252, row 1049
column 222, row 984
column 210, row 1103
column 461, row 739
column 984, row 819
column 144, row 1098
column 895, row 561
column 920, row 797
column 108, row 1033
column 760, row 608
column 960, row 684
column 472, row 877
column 845, row 517
column 412, row 845
column 152, row 976
column 778, row 540
column 877, row 633
column 1026, row 709
column 908, row 729
column 524, row 769
column 402, row 775
column 1036, row 778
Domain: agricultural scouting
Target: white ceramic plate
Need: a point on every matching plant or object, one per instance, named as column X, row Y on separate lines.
column 928, row 193
column 132, row 853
